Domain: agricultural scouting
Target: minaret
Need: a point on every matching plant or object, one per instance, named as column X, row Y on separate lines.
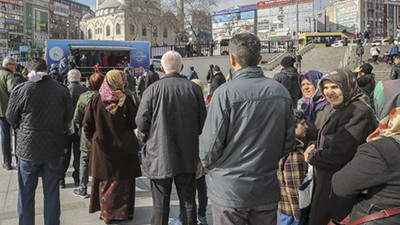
column 181, row 14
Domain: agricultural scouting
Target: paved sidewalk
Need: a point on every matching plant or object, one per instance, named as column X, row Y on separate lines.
column 74, row 210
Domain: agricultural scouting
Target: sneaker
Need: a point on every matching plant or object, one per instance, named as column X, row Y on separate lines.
column 62, row 183
column 175, row 221
column 82, row 193
column 201, row 220
column 7, row 166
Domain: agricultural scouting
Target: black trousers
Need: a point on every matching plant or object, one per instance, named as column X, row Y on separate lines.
column 73, row 141
column 185, row 184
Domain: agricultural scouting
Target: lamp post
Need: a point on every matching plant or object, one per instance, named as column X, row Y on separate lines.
column 67, row 29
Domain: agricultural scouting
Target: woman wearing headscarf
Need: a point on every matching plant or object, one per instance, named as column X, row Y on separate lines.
column 372, row 177
column 347, row 128
column 109, row 123
column 315, row 107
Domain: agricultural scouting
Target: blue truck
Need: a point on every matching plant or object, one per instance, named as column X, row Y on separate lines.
column 136, row 52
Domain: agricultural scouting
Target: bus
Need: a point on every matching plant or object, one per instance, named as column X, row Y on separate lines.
column 321, row 39
column 221, row 45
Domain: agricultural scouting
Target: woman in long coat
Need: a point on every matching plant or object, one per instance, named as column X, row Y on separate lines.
column 109, row 123
column 347, row 128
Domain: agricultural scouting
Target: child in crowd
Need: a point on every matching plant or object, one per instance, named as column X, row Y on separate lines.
column 386, row 57
column 291, row 173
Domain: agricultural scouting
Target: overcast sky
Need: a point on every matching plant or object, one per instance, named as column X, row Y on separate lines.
column 224, row 4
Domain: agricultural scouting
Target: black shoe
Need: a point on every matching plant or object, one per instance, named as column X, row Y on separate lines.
column 62, row 183
column 7, row 166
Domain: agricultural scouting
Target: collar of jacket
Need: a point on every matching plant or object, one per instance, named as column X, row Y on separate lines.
column 248, row 72
column 6, row 69
column 171, row 75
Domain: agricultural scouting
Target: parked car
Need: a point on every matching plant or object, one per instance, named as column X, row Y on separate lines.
column 380, row 42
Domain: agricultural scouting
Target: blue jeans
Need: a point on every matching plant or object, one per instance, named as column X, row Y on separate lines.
column 28, row 176
column 5, row 140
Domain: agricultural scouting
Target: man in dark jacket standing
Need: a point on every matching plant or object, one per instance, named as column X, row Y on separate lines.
column 395, row 72
column 40, row 112
column 73, row 139
column 55, row 74
column 152, row 76
column 249, row 127
column 289, row 77
column 169, row 121
column 217, row 80
column 6, row 85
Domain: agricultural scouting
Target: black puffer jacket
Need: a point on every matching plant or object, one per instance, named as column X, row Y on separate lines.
column 395, row 72
column 289, row 77
column 217, row 81
column 40, row 112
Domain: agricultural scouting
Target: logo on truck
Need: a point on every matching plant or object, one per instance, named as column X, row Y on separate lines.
column 56, row 53
column 139, row 56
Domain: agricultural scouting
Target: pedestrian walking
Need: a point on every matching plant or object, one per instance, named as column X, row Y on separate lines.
column 95, row 81
column 40, row 111
column 109, row 123
column 170, row 118
column 393, row 52
column 249, row 127
column 346, row 129
column 9, row 67
column 375, row 51
column 359, row 52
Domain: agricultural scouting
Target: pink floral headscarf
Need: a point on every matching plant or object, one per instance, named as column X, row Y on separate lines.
column 112, row 90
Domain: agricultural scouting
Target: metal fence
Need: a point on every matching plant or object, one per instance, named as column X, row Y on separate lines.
column 218, row 49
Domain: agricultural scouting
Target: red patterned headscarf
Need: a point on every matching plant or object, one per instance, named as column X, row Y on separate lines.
column 387, row 107
column 112, row 90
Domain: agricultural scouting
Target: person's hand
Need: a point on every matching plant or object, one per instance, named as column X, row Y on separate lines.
column 309, row 152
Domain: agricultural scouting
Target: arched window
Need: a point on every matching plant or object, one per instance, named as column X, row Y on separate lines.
column 108, row 30
column 118, row 29
column 90, row 34
column 165, row 32
column 132, row 29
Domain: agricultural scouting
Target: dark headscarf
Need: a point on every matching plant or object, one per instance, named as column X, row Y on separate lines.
column 345, row 80
column 317, row 101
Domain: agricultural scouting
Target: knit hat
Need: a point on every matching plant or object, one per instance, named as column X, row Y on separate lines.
column 217, row 69
column 287, row 61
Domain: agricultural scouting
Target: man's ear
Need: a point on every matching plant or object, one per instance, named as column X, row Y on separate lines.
column 259, row 59
column 162, row 70
column 232, row 60
column 181, row 68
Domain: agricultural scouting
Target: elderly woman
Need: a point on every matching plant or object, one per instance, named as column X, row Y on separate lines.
column 109, row 123
column 315, row 107
column 372, row 177
column 347, row 128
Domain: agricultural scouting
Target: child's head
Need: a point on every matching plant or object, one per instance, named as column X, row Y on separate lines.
column 301, row 125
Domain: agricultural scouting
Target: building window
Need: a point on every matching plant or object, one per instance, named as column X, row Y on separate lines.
column 144, row 30
column 107, row 30
column 165, row 32
column 155, row 31
column 90, row 34
column 118, row 29
column 132, row 28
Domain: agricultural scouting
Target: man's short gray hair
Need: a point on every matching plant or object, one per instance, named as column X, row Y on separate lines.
column 246, row 48
column 8, row 60
column 74, row 75
column 171, row 61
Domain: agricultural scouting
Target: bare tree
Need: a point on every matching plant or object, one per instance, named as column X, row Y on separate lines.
column 196, row 17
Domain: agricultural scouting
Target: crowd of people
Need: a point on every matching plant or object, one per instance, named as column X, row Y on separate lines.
column 247, row 147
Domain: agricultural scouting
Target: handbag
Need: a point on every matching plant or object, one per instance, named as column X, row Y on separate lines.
column 374, row 216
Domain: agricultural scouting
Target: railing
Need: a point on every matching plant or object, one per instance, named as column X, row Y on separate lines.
column 216, row 49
